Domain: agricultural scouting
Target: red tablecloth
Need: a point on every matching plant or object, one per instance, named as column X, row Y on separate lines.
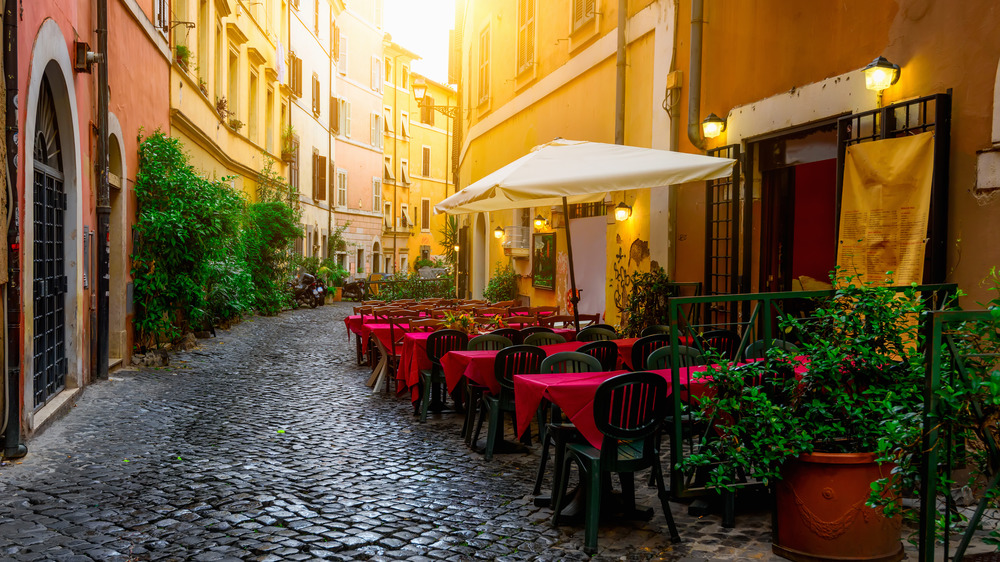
column 413, row 358
column 355, row 321
column 382, row 332
column 477, row 366
column 574, row 394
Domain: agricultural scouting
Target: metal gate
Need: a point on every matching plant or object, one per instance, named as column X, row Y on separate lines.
column 49, row 268
column 722, row 239
column 929, row 113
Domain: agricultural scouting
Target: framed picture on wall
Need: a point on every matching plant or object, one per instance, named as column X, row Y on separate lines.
column 543, row 260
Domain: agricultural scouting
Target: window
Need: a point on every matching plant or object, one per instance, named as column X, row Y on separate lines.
column 162, row 15
column 345, row 118
column 341, row 187
column 403, row 265
column 404, row 78
column 299, row 244
column 219, row 53
column 376, row 81
column 404, row 171
column 387, row 215
column 293, row 166
column 376, row 130
column 234, row 82
column 387, row 173
column 427, row 110
column 335, row 39
column 203, row 48
column 316, row 16
column 361, row 260
column 376, row 193
column 319, row 176
column 334, row 116
column 342, row 61
column 315, row 95
column 404, row 125
column 254, row 102
column 525, row 35
column 377, row 13
column 387, row 120
column 388, row 70
column 583, row 13
column 404, row 217
column 295, row 74
column 484, row 66
column 425, row 216
column 269, row 120
column 425, row 162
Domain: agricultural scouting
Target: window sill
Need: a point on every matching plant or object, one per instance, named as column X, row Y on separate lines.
column 526, row 77
column 583, row 35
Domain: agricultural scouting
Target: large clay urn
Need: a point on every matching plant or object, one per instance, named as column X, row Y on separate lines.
column 820, row 511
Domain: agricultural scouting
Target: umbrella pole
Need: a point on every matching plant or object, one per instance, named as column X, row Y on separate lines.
column 573, row 297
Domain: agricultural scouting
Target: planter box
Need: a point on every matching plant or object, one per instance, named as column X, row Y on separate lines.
column 820, row 511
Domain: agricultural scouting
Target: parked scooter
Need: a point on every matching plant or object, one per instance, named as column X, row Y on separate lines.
column 307, row 291
column 354, row 291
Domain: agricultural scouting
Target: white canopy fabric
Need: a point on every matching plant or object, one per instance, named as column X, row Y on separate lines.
column 582, row 172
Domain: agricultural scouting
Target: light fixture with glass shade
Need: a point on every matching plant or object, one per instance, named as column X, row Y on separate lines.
column 498, row 232
column 712, row 126
column 540, row 222
column 880, row 74
column 622, row 211
column 419, row 89
column 456, row 247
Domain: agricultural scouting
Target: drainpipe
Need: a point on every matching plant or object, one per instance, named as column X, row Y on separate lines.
column 694, row 90
column 331, row 171
column 620, row 75
column 103, row 196
column 672, row 104
column 13, row 448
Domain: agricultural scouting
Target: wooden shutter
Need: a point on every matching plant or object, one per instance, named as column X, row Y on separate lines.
column 525, row 35
column 320, row 178
column 425, row 214
column 425, row 169
column 315, row 92
column 315, row 174
column 336, row 42
column 342, row 63
column 404, row 125
column 334, row 116
column 295, row 75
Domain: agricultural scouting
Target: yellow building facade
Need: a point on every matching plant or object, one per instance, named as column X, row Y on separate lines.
column 229, row 90
column 534, row 71
column 418, row 167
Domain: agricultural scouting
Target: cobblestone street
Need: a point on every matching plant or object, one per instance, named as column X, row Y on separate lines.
column 265, row 444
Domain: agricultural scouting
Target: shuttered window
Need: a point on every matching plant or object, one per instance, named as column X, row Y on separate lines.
column 334, row 116
column 425, row 214
column 404, row 171
column 341, row 188
column 404, row 125
column 525, row 35
column 583, row 13
column 316, row 105
column 319, row 176
column 295, row 75
column 376, row 194
column 342, row 62
column 425, row 163
column 484, row 66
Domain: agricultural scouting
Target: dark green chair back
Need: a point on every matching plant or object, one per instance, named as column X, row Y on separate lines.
column 443, row 341
column 725, row 342
column 571, row 362
column 644, row 346
column 488, row 342
column 758, row 349
column 543, row 338
column 516, row 360
column 593, row 333
column 660, row 358
column 528, row 330
column 655, row 329
column 629, row 410
column 513, row 334
column 604, row 351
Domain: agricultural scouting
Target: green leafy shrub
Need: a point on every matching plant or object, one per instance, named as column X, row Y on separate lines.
column 401, row 285
column 187, row 228
column 502, row 285
column 269, row 232
column 646, row 302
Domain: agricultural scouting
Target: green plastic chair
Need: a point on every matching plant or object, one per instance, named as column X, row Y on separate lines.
column 758, row 349
column 474, row 392
column 644, row 346
column 628, row 411
column 438, row 343
column 555, row 431
column 594, row 333
column 510, row 361
column 655, row 329
column 605, row 351
column 513, row 334
column 660, row 358
column 543, row 338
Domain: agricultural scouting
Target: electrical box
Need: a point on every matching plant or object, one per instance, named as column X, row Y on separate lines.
column 675, row 79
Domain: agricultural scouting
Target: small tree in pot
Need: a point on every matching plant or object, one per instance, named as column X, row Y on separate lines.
column 822, row 437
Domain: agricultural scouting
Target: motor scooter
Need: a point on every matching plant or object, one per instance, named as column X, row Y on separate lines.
column 307, row 291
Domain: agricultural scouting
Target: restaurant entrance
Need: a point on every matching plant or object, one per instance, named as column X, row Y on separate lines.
column 798, row 195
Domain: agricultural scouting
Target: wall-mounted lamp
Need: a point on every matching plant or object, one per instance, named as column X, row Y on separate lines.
column 498, row 232
column 622, row 211
column 712, row 126
column 419, row 89
column 456, row 247
column 540, row 222
column 880, row 74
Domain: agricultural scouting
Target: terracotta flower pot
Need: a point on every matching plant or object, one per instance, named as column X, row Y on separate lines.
column 338, row 295
column 820, row 511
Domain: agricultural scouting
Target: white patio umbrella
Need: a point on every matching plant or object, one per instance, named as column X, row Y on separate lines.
column 572, row 172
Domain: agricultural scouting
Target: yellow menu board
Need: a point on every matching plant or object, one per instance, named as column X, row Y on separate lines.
column 884, row 208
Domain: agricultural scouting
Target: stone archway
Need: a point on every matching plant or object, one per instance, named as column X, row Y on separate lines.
column 53, row 298
column 118, row 262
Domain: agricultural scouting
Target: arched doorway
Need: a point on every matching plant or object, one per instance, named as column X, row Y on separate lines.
column 49, row 286
column 118, row 262
column 376, row 257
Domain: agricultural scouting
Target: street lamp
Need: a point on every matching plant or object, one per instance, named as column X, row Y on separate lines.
column 622, row 211
column 712, row 126
column 879, row 75
column 498, row 232
column 456, row 270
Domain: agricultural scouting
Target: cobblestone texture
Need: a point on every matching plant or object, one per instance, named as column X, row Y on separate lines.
column 264, row 444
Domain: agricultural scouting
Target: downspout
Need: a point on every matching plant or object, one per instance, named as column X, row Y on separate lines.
column 103, row 195
column 395, row 160
column 672, row 105
column 13, row 448
column 619, row 79
column 331, row 180
column 694, row 89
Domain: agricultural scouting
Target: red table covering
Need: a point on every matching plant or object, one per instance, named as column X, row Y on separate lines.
column 574, row 394
column 477, row 366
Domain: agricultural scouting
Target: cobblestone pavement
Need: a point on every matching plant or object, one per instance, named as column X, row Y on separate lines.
column 264, row 444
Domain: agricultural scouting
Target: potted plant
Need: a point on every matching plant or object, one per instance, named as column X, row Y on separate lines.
column 502, row 285
column 183, row 55
column 287, row 143
column 203, row 86
column 222, row 107
column 461, row 321
column 235, row 124
column 830, row 440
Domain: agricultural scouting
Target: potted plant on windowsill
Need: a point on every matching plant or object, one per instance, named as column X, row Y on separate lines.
column 833, row 440
column 183, row 55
